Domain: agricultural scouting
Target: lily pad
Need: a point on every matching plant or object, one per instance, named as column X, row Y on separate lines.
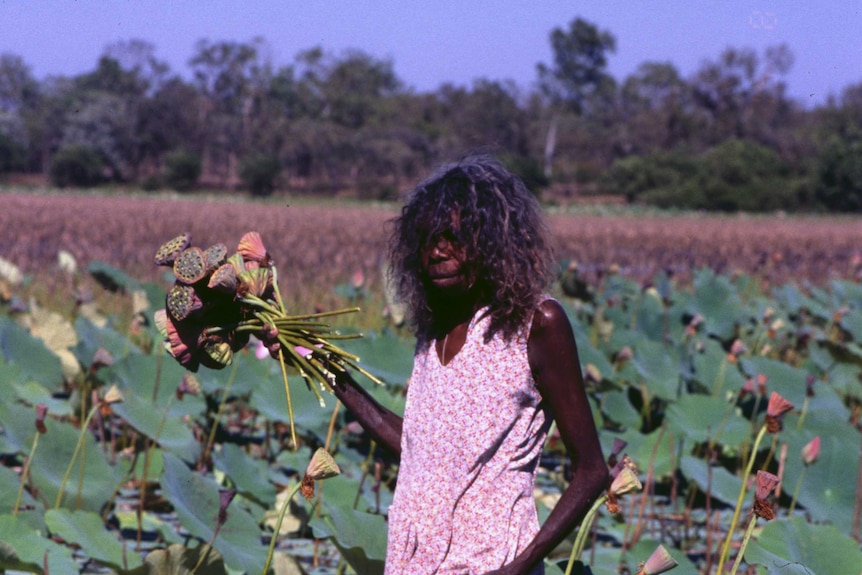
column 26, row 549
column 795, row 546
column 196, row 501
column 87, row 530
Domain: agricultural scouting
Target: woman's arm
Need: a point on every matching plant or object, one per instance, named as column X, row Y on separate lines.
column 381, row 423
column 556, row 368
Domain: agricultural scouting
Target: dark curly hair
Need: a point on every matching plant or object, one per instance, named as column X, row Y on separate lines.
column 502, row 230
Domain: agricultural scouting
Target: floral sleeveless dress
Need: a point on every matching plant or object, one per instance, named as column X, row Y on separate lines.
column 472, row 436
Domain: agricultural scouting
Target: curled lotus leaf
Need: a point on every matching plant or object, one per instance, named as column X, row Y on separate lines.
column 257, row 282
column 182, row 301
column 215, row 255
column 236, row 261
column 223, row 279
column 216, row 354
column 160, row 319
column 169, row 251
column 191, row 265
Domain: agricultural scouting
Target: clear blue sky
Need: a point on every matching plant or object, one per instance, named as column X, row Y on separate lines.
column 436, row 41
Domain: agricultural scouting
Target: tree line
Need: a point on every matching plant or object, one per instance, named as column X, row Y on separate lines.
column 727, row 137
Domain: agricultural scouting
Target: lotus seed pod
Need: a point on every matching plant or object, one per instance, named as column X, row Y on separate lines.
column 182, row 301
column 190, row 266
column 169, row 251
column 215, row 255
column 223, row 279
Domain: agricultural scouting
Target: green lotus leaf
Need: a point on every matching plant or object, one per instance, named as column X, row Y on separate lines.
column 702, row 418
column 615, row 405
column 360, row 537
column 659, row 367
column 52, row 459
column 249, row 475
column 24, row 548
column 33, row 393
column 794, row 546
column 712, row 480
column 385, row 355
column 34, row 360
column 92, row 337
column 10, row 481
column 714, row 372
column 167, row 429
column 716, row 299
column 180, row 560
column 196, row 502
column 87, row 530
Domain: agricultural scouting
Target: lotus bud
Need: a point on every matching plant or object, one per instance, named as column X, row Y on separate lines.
column 169, row 251
column 41, row 412
column 775, row 410
column 357, row 280
column 182, row 301
column 252, row 249
column 811, row 451
column 659, row 562
column 592, row 373
column 738, row 348
column 190, row 266
column 322, row 466
column 223, row 279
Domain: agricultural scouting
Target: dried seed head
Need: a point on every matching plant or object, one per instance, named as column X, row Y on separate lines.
column 190, row 266
column 659, row 562
column 215, row 255
column 765, row 484
column 182, row 301
column 626, row 481
column 775, row 410
column 223, row 279
column 180, row 343
column 169, row 251
column 322, row 466
column 102, row 358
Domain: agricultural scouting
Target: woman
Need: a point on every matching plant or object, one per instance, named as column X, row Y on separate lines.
column 495, row 362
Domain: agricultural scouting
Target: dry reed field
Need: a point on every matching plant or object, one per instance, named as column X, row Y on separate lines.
column 318, row 245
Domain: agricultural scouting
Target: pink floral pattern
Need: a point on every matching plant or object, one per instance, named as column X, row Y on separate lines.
column 473, row 433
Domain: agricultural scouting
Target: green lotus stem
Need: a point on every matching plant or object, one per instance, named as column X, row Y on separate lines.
column 583, row 531
column 78, row 448
column 745, row 540
column 726, row 548
column 802, row 413
column 24, row 473
column 217, row 416
column 289, row 403
column 281, row 514
column 796, row 491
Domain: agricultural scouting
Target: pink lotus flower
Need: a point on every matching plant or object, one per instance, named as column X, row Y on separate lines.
column 811, row 451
